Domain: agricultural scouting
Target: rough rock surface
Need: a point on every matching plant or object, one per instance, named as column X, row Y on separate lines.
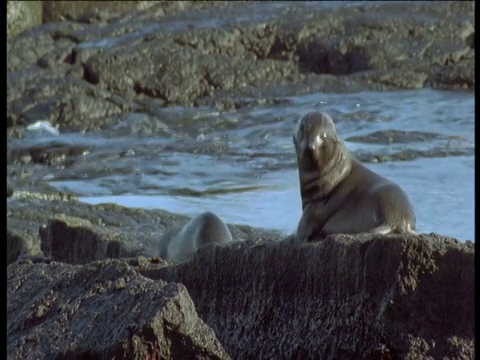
column 74, row 232
column 68, row 72
column 86, row 11
column 348, row 297
column 22, row 15
column 103, row 310
column 74, row 240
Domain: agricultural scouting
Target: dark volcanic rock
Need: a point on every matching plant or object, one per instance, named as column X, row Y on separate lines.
column 343, row 298
column 51, row 154
column 9, row 190
column 395, row 136
column 73, row 240
column 102, row 310
column 105, row 10
column 83, row 74
column 22, row 15
column 87, row 11
column 21, row 240
column 76, row 233
column 347, row 297
column 15, row 246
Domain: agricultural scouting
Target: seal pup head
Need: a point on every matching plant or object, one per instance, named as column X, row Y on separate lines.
column 181, row 244
column 323, row 160
column 209, row 228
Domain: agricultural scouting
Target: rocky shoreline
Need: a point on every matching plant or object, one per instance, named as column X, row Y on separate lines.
column 385, row 297
column 85, row 281
column 70, row 69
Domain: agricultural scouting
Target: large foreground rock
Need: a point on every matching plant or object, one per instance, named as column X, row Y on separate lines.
column 343, row 298
column 104, row 310
column 84, row 73
column 347, row 297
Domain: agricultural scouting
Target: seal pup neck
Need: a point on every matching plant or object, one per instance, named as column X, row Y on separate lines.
column 323, row 160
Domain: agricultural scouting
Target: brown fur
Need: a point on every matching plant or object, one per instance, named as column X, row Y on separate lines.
column 339, row 194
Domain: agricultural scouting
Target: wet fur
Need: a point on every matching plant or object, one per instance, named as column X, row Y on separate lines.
column 339, row 194
column 180, row 243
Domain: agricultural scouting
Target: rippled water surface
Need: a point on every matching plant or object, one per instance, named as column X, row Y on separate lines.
column 242, row 165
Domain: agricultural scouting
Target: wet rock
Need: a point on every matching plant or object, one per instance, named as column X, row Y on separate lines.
column 396, row 78
column 21, row 241
column 102, row 11
column 467, row 33
column 411, row 154
column 68, row 72
column 77, row 241
column 347, row 297
column 83, row 232
column 101, row 310
column 195, row 74
column 79, row 101
column 9, row 190
column 15, row 246
column 22, row 15
column 395, row 136
column 49, row 154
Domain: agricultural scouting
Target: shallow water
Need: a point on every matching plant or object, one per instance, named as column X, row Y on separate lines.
column 242, row 166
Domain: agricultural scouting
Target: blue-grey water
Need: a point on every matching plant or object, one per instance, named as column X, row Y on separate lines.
column 255, row 181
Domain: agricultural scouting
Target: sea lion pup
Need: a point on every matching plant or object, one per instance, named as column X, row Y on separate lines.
column 339, row 194
column 180, row 244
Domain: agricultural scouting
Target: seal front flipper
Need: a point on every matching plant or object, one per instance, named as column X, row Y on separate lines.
column 304, row 229
column 317, row 235
column 314, row 223
column 307, row 225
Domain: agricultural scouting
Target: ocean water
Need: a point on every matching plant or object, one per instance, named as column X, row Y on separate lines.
column 254, row 179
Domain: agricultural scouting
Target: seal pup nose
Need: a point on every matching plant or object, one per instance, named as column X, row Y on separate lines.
column 318, row 141
column 309, row 149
